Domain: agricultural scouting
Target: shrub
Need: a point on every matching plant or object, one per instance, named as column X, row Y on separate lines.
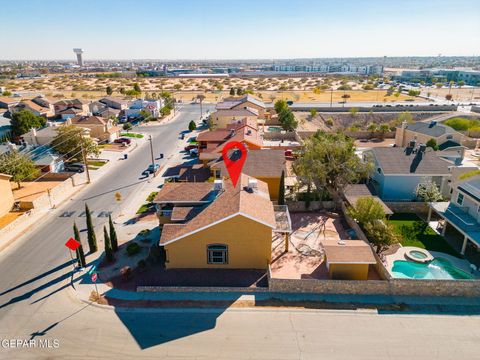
column 133, row 249
column 127, row 126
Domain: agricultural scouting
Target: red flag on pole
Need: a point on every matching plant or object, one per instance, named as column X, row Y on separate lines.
column 72, row 244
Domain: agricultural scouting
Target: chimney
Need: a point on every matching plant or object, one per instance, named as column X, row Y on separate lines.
column 422, row 148
column 218, row 185
column 252, row 184
column 400, row 135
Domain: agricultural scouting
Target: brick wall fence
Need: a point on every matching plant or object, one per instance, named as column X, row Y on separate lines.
column 393, row 287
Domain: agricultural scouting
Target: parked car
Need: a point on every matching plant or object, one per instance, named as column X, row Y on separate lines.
column 153, row 168
column 190, row 147
column 288, row 153
column 122, row 141
column 74, row 167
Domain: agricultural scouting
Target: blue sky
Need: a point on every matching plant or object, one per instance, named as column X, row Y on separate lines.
column 215, row 29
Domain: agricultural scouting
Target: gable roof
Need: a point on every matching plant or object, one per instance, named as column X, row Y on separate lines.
column 404, row 161
column 184, row 192
column 259, row 163
column 85, row 120
column 226, row 204
column 433, row 128
column 247, row 111
column 353, row 192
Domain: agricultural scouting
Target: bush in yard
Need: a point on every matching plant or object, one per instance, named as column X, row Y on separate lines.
column 133, row 249
column 366, row 210
column 381, row 234
column 127, row 126
column 192, row 126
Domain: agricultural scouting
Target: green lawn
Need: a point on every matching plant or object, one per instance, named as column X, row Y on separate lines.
column 96, row 163
column 144, row 208
column 408, row 227
column 132, row 135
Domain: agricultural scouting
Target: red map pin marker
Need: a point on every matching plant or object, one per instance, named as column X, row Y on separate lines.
column 234, row 163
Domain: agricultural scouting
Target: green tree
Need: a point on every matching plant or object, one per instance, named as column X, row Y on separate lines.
column 329, row 161
column 432, row 143
column 19, row 166
column 428, row 191
column 280, row 105
column 109, row 90
column 383, row 129
column 281, row 189
column 92, row 238
column 372, row 127
column 192, row 126
column 80, row 254
column 137, row 88
column 240, row 91
column 232, row 91
column 7, row 93
column 200, row 98
column 381, row 234
column 23, row 121
column 108, row 246
column 113, row 234
column 127, row 126
column 461, row 83
column 287, row 120
column 366, row 209
column 70, row 141
column 313, row 113
column 122, row 90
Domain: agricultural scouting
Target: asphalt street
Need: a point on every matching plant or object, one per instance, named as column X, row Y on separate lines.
column 36, row 303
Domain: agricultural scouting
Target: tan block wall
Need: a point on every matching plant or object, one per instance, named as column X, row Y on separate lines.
column 348, row 271
column 6, row 196
column 249, row 246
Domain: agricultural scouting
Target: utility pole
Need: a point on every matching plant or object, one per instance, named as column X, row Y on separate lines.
column 151, row 153
column 331, row 96
column 84, row 156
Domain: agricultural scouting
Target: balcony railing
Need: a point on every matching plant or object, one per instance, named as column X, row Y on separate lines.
column 282, row 219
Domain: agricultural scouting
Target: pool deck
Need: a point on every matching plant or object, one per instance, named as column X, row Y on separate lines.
column 400, row 255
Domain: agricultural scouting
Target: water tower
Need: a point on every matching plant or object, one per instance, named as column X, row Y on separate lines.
column 79, row 53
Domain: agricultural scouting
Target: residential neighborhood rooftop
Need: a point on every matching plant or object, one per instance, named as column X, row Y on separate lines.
column 348, row 252
column 404, row 160
column 433, row 128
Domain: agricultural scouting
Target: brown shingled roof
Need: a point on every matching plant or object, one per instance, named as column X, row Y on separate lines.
column 228, row 203
column 259, row 163
column 184, row 192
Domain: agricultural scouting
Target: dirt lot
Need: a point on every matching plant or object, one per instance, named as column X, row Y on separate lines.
column 335, row 121
column 270, row 89
column 29, row 191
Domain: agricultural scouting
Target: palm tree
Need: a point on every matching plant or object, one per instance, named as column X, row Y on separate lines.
column 200, row 98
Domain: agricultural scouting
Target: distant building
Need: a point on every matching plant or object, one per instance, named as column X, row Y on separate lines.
column 470, row 77
column 79, row 53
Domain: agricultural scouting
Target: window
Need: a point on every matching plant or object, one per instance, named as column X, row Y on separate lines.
column 460, row 199
column 217, row 254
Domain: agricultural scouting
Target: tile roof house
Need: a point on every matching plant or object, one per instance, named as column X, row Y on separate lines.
column 68, row 108
column 101, row 129
column 114, row 102
column 422, row 132
column 224, row 117
column 211, row 142
column 245, row 102
column 265, row 165
column 398, row 171
column 214, row 225
column 7, row 102
column 38, row 106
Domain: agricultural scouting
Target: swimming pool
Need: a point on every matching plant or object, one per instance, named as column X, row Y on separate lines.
column 438, row 268
column 274, row 129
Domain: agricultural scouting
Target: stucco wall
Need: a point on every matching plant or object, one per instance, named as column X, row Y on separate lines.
column 273, row 186
column 6, row 196
column 223, row 121
column 348, row 271
column 300, row 206
column 249, row 246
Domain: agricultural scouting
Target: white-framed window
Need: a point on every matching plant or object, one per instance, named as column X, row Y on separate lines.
column 217, row 254
column 460, row 199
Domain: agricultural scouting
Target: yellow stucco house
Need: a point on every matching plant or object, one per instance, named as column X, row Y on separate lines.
column 265, row 165
column 224, row 117
column 214, row 225
column 348, row 259
column 6, row 194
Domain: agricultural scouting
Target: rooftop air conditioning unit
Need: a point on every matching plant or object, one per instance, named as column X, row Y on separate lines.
column 252, row 184
column 218, row 185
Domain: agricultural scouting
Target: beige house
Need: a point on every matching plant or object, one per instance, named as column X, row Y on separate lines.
column 224, row 117
column 39, row 106
column 422, row 132
column 5, row 194
column 100, row 128
column 245, row 102
column 67, row 107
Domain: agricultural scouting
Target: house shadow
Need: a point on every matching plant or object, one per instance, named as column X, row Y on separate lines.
column 155, row 328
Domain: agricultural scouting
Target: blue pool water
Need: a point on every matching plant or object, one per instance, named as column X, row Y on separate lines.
column 274, row 129
column 438, row 268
